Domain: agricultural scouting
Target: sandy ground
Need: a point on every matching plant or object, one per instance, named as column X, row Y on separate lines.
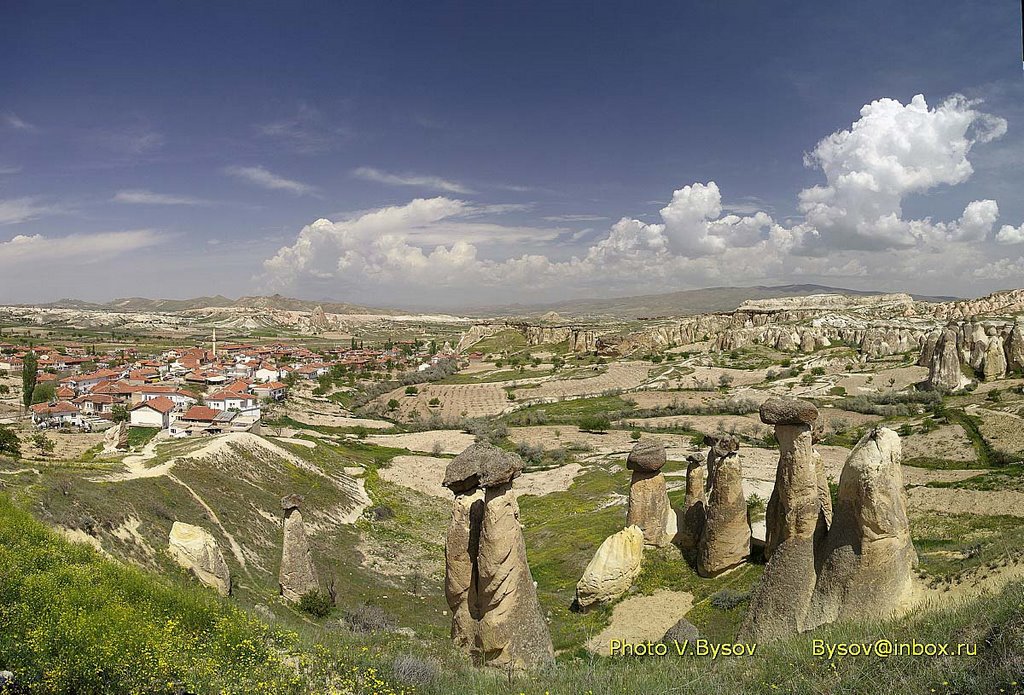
column 657, row 399
column 612, row 442
column 643, row 618
column 710, row 377
column 951, row 501
column 923, row 476
column 425, row 473
column 430, row 441
column 479, row 400
column 301, row 442
column 1004, row 431
column 949, row 442
column 879, row 381
column 325, row 420
column 750, row 425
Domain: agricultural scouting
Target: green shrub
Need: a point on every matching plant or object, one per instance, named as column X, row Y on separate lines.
column 316, row 603
column 594, row 423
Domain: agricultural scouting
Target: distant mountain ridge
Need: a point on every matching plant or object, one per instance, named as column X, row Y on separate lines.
column 680, row 303
column 276, row 301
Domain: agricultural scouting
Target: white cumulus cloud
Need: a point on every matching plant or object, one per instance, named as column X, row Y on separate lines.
column 1010, row 235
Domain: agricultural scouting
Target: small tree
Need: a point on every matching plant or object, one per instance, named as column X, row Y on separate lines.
column 411, row 390
column 9, row 443
column 41, row 442
column 44, row 393
column 120, row 414
column 393, row 405
column 594, row 423
column 30, row 367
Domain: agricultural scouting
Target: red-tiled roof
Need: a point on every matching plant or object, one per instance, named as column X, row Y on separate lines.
column 54, row 408
column 200, row 413
column 226, row 394
column 161, row 404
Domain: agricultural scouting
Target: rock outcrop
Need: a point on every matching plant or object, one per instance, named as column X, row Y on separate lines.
column 858, row 568
column 682, row 631
column 297, row 576
column 994, row 361
column 694, row 512
column 496, row 616
column 613, row 569
column 725, row 539
column 869, row 557
column 195, row 549
column 649, row 507
column 1015, row 347
column 116, row 438
column 944, row 373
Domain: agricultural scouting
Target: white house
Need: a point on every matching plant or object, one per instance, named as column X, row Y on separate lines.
column 59, row 414
column 181, row 399
column 245, row 403
column 156, row 412
column 272, row 389
column 266, row 373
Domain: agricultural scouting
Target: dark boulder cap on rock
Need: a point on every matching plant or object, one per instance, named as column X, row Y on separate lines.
column 290, row 502
column 696, row 458
column 788, row 411
column 647, row 455
column 722, row 444
column 484, row 465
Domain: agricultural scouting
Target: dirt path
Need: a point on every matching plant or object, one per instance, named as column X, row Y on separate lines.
column 953, row 501
column 236, row 549
column 643, row 618
column 135, row 465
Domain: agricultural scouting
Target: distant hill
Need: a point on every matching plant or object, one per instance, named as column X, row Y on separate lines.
column 681, row 303
column 276, row 301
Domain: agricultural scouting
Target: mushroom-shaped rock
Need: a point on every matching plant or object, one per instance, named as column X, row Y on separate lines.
column 461, row 577
column 788, row 411
column 481, row 464
column 647, row 455
column 613, row 569
column 195, row 549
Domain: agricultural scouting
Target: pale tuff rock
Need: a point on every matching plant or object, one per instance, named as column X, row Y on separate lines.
column 116, row 438
column 694, row 512
column 869, row 557
column 318, row 321
column 824, row 491
column 1015, row 348
column 496, row 617
column 512, row 631
column 928, row 349
column 977, row 347
column 647, row 455
column 860, row 568
column 461, row 574
column 994, row 364
column 613, row 569
column 298, row 574
column 725, row 541
column 944, row 371
column 196, row 550
column 649, row 507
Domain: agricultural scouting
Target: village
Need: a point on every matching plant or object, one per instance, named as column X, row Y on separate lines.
column 205, row 389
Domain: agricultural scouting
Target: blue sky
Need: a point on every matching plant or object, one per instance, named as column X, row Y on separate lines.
column 464, row 152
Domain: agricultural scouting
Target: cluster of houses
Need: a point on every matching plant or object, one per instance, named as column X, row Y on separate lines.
column 187, row 391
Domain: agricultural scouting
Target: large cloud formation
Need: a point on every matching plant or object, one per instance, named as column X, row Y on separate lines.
column 891, row 152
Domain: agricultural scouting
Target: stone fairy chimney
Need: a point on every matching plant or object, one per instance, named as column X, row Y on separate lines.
column 298, row 574
column 496, row 616
column 725, row 538
column 648, row 495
